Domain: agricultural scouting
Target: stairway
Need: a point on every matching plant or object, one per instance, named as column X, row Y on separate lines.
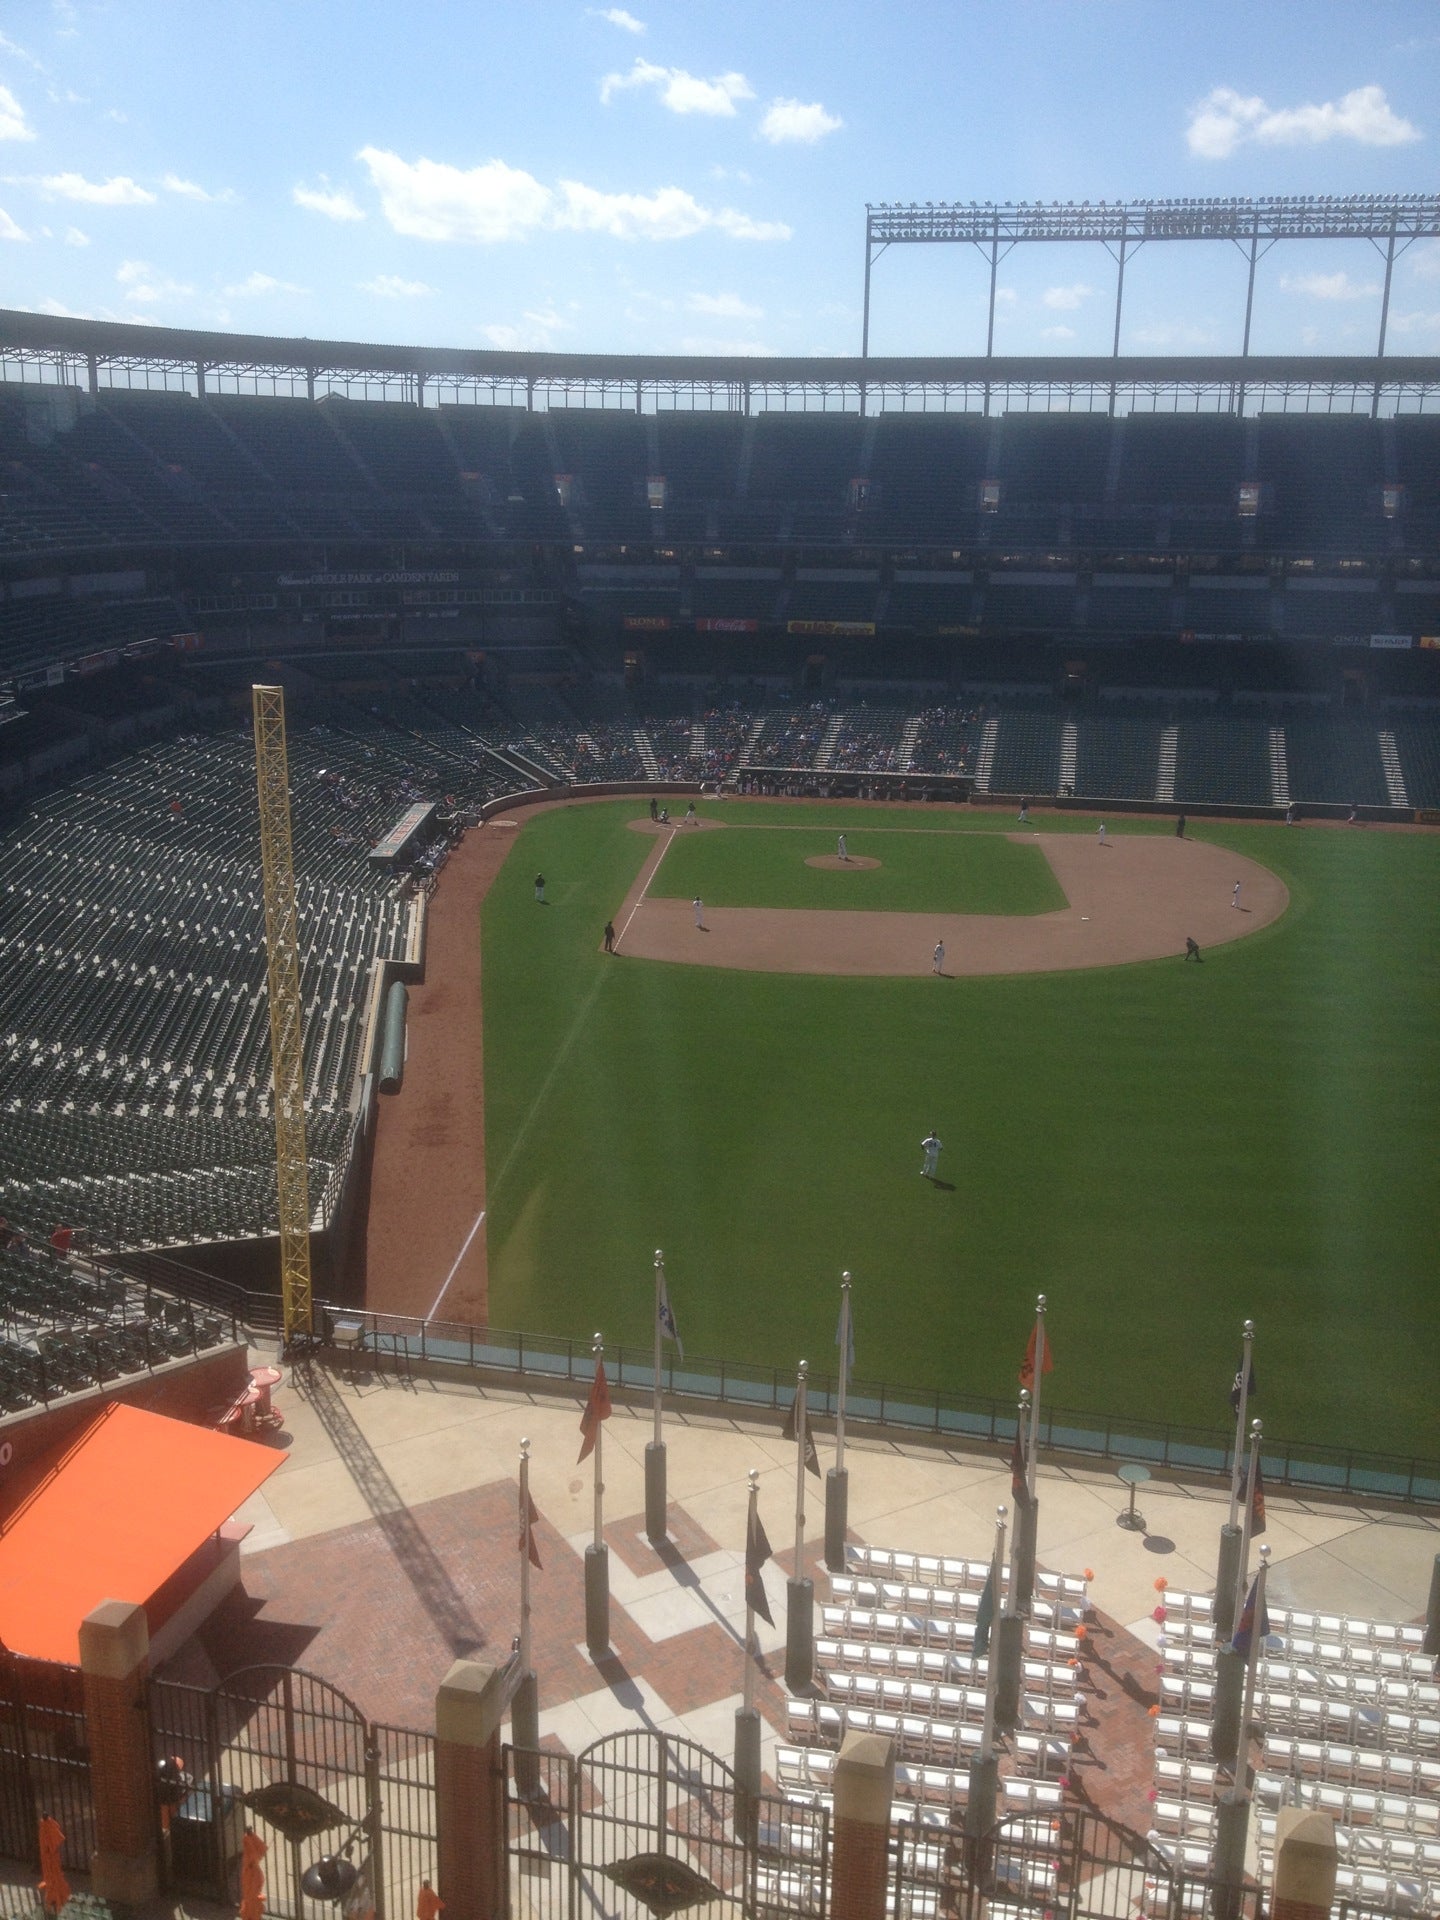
column 699, row 745
column 985, row 759
column 1279, row 769
column 1165, row 766
column 1069, row 742
column 1394, row 773
column 905, row 753
column 825, row 752
column 757, row 727
column 647, row 754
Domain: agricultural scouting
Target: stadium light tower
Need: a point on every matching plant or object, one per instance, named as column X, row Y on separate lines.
column 282, row 955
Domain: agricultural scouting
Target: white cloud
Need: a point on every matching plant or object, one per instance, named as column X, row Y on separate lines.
column 1057, row 333
column 147, row 288
column 389, row 286
column 723, row 306
column 74, row 237
column 255, row 284
column 1005, row 296
column 8, row 228
column 431, row 200
column 119, row 191
column 618, row 17
column 1169, row 334
column 708, row 345
column 1329, row 286
column 1405, row 323
column 793, row 121
column 13, row 124
column 17, row 52
column 1066, row 299
column 1425, row 262
column 535, row 332
column 680, row 91
column 192, row 190
column 1225, row 120
column 336, row 203
column 717, row 172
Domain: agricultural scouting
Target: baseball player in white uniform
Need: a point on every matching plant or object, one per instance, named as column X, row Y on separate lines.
column 930, row 1147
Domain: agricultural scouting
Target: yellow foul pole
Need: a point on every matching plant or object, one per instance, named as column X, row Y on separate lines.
column 282, row 953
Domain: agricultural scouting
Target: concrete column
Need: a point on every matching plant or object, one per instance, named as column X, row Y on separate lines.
column 864, row 1783
column 1305, row 1861
column 837, row 1521
column 656, row 1499
column 114, row 1661
column 1229, row 1703
column 469, row 1791
column 597, row 1601
column 1227, row 1861
column 1009, row 1652
column 1227, row 1567
column 1022, row 1546
column 799, row 1634
column 1432, row 1613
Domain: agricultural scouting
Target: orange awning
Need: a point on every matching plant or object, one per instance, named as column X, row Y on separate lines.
column 120, row 1511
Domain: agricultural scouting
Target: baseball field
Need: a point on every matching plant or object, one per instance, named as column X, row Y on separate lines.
column 1163, row 1148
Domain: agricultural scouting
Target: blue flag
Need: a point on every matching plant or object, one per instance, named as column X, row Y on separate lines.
column 1247, row 1626
column 985, row 1615
column 666, row 1318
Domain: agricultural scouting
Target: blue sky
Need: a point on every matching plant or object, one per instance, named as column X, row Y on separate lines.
column 668, row 178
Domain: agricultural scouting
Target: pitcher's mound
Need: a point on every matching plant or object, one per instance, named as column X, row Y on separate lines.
column 832, row 862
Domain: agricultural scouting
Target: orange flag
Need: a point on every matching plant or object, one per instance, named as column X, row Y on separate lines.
column 54, row 1887
column 597, row 1408
column 428, row 1904
column 1027, row 1365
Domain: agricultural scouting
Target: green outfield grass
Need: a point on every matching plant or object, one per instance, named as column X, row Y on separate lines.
column 919, row 872
column 1163, row 1149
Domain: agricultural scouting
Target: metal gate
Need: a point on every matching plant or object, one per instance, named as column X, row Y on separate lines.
column 1075, row 1866
column 44, row 1760
column 644, row 1823
column 289, row 1755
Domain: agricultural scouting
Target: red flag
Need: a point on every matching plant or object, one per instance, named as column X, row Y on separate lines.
column 527, row 1533
column 1027, row 1366
column 597, row 1408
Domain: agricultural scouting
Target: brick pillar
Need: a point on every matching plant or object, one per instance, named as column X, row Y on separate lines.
column 864, row 1783
column 469, row 1792
column 1305, row 1861
column 114, row 1661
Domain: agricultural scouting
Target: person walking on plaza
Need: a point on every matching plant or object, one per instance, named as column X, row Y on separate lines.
column 540, row 888
column 609, row 936
column 930, row 1146
column 840, row 849
column 1235, row 896
column 937, row 959
column 699, row 906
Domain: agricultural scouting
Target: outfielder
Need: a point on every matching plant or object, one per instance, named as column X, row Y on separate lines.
column 930, row 1146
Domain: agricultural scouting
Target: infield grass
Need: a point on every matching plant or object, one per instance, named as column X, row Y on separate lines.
column 764, row 865
column 1164, row 1149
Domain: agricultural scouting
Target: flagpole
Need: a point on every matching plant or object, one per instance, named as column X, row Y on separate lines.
column 525, row 1703
column 1229, row 1666
column 1035, row 1395
column 1010, row 1628
column 837, row 1481
column 597, row 1554
column 1225, row 1577
column 1232, row 1808
column 1247, row 1342
column 800, row 1591
column 984, row 1784
column 1027, row 1520
column 747, row 1720
column 656, row 1499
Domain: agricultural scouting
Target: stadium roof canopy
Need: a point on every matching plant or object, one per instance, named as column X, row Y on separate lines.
column 56, row 350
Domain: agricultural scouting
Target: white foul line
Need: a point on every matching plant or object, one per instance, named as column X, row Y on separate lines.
column 646, row 888
column 434, row 1308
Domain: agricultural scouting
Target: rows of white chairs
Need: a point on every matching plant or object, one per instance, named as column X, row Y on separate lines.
column 1376, row 1849
column 1187, row 1779
column 1286, row 1621
column 942, row 1602
column 1336, row 1681
column 1354, row 1723
column 938, row 1570
column 934, row 1663
column 1347, row 1804
column 850, row 1622
column 1391, row 1660
column 1372, row 1767
column 941, row 1701
column 919, row 1737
